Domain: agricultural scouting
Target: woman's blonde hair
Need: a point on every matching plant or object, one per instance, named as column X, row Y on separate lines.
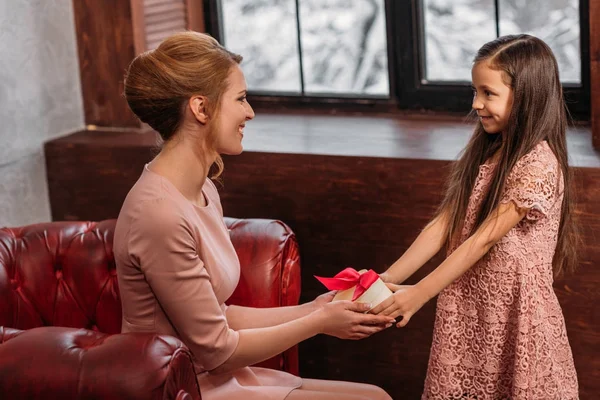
column 158, row 83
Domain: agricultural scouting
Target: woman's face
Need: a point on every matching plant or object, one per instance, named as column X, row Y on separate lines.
column 233, row 113
column 492, row 97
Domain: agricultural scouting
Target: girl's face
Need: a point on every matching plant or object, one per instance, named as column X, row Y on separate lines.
column 492, row 97
column 233, row 114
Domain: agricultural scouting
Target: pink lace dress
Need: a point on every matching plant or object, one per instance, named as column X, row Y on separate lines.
column 499, row 330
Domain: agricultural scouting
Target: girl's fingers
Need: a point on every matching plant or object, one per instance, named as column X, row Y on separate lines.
column 396, row 314
column 370, row 319
column 389, row 311
column 394, row 288
column 404, row 321
column 383, row 305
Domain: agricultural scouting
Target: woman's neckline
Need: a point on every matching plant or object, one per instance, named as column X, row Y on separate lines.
column 163, row 178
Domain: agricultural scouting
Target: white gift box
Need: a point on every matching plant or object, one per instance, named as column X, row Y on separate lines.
column 374, row 295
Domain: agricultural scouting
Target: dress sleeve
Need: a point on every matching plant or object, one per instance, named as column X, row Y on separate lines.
column 533, row 184
column 163, row 244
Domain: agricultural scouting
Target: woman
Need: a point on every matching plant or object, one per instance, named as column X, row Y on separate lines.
column 175, row 262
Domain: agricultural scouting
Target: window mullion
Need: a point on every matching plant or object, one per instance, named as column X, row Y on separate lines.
column 497, row 15
column 300, row 58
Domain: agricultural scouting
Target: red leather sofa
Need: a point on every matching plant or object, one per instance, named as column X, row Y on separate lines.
column 60, row 313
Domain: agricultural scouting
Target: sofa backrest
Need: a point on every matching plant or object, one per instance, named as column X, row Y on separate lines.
column 59, row 274
column 63, row 274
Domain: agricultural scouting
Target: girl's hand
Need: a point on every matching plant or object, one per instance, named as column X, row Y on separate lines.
column 405, row 302
column 385, row 277
column 347, row 320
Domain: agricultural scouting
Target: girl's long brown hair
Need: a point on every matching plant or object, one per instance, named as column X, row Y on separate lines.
column 538, row 113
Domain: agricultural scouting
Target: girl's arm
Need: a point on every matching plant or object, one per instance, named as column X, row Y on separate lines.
column 407, row 301
column 426, row 245
column 240, row 317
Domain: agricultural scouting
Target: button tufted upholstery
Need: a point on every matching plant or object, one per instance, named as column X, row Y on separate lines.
column 60, row 313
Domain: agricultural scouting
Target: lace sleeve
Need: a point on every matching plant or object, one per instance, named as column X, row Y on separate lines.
column 533, row 183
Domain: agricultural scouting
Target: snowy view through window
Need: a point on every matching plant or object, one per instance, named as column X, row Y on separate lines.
column 343, row 45
column 456, row 29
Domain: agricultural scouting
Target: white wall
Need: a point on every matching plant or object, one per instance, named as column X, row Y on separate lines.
column 40, row 99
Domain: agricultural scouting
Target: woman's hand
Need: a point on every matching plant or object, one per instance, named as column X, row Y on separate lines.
column 405, row 302
column 323, row 299
column 347, row 320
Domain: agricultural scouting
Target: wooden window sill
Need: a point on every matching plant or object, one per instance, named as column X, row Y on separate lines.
column 411, row 137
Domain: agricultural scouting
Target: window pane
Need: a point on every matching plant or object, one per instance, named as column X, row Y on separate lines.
column 454, row 31
column 554, row 21
column 344, row 46
column 265, row 34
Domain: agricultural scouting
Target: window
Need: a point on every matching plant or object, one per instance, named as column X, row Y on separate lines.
column 455, row 30
column 309, row 47
column 383, row 54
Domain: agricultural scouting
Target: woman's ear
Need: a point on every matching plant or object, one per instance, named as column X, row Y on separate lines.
column 197, row 105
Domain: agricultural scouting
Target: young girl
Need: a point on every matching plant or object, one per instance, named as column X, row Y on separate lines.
column 507, row 223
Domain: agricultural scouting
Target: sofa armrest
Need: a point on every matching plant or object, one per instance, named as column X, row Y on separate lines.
column 70, row 363
column 270, row 272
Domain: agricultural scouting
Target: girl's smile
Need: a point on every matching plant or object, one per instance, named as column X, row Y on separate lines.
column 492, row 97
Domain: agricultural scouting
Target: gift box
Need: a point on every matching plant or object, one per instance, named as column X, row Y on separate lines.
column 363, row 286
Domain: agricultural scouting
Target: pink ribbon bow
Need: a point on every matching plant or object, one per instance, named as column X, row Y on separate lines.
column 349, row 278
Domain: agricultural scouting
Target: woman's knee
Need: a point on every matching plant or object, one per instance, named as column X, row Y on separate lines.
column 349, row 390
column 379, row 393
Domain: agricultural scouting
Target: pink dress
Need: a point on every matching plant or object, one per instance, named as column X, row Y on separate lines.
column 176, row 267
column 499, row 330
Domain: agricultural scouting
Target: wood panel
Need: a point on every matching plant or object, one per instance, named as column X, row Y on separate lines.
column 110, row 33
column 595, row 71
column 346, row 211
column 105, row 40
column 195, row 15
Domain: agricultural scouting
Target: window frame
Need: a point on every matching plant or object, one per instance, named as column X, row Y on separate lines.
column 436, row 96
column 405, row 34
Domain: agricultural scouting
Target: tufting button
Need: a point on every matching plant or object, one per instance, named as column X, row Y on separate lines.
column 59, row 274
column 14, row 283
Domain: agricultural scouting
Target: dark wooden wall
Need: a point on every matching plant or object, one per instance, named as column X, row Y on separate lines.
column 364, row 212
column 110, row 33
column 595, row 70
column 346, row 211
column 105, row 41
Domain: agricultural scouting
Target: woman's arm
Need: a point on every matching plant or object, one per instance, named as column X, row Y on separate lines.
column 342, row 319
column 426, row 245
column 407, row 301
column 163, row 244
column 240, row 317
